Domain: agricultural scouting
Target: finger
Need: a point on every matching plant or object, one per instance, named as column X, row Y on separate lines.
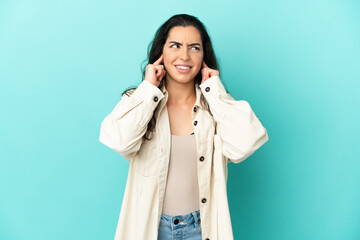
column 207, row 74
column 157, row 62
column 204, row 75
column 204, row 64
column 163, row 73
column 158, row 72
column 158, row 68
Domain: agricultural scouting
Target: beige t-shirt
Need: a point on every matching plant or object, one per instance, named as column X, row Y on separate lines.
column 182, row 190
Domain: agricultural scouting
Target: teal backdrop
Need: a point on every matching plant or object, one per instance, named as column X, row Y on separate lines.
column 64, row 65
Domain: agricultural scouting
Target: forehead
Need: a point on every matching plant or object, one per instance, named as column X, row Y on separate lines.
column 187, row 34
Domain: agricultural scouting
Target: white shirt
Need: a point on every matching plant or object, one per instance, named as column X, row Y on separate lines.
column 230, row 134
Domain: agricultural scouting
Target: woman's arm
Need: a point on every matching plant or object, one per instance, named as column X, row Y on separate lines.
column 122, row 130
column 237, row 125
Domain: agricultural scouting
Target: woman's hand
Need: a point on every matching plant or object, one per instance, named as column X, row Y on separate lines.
column 207, row 72
column 155, row 72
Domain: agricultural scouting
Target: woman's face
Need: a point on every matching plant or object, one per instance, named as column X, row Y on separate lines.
column 183, row 47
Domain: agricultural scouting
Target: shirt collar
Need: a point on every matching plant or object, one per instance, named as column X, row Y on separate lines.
column 197, row 90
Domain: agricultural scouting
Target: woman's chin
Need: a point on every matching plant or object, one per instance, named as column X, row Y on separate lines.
column 183, row 80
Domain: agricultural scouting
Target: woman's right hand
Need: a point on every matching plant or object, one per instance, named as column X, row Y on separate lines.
column 155, row 72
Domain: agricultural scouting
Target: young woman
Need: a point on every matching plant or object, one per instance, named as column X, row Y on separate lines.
column 179, row 129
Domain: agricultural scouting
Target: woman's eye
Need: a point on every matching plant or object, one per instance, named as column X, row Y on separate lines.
column 196, row 48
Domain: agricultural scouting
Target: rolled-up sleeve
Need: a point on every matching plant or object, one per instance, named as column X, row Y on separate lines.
column 122, row 130
column 239, row 129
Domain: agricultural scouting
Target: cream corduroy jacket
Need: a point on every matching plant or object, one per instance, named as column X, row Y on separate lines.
column 231, row 133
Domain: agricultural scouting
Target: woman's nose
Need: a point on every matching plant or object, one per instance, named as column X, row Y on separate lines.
column 184, row 54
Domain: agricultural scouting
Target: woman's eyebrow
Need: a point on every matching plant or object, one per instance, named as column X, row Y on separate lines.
column 191, row 44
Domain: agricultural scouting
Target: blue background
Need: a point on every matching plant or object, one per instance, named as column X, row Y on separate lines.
column 64, row 64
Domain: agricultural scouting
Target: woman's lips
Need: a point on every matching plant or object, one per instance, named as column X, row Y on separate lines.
column 183, row 69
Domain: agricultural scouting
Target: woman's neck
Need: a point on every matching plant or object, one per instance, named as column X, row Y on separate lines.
column 180, row 93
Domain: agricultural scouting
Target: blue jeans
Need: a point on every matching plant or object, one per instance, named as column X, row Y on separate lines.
column 180, row 227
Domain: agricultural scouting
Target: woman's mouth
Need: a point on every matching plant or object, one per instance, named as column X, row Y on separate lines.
column 183, row 69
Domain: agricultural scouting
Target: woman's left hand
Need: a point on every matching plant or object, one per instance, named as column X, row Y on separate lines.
column 207, row 72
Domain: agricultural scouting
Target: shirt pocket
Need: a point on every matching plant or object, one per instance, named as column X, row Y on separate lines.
column 146, row 159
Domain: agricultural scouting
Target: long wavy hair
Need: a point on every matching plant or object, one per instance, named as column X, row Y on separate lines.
column 155, row 49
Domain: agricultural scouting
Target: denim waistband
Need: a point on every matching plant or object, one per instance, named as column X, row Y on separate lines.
column 176, row 221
